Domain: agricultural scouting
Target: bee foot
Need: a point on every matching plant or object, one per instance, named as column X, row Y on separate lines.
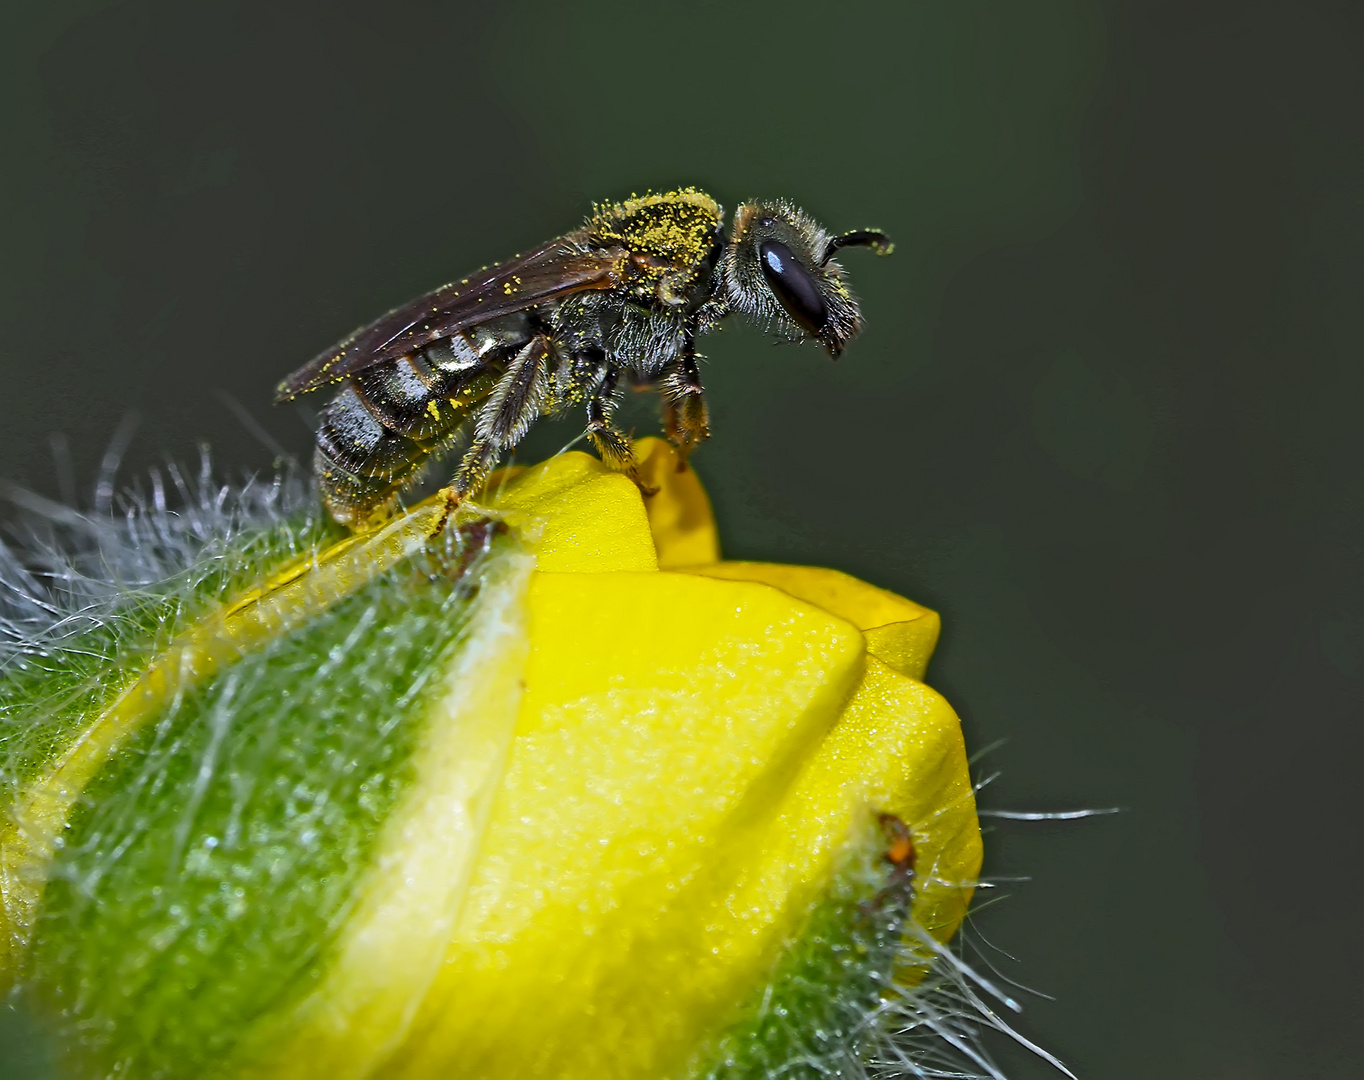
column 453, row 499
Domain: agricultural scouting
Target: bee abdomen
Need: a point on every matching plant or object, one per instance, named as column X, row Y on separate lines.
column 350, row 435
column 397, row 397
column 351, row 500
column 360, row 463
column 423, row 395
column 378, row 432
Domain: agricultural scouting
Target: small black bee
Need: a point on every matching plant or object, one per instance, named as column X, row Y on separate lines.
column 625, row 295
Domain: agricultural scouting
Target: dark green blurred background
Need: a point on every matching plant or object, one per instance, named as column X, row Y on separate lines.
column 1104, row 417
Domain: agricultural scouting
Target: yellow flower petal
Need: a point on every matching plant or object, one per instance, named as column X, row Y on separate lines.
column 686, row 770
column 664, row 716
column 899, row 632
column 897, row 747
column 588, row 518
column 679, row 511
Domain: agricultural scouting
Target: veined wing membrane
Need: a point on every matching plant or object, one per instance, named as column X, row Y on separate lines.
column 549, row 272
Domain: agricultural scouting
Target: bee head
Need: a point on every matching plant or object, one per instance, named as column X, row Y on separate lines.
column 778, row 268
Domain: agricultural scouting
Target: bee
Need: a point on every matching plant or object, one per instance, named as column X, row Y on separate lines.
column 620, row 300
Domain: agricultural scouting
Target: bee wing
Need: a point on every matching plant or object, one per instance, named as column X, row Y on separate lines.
column 553, row 270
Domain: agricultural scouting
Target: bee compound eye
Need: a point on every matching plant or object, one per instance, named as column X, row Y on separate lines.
column 793, row 286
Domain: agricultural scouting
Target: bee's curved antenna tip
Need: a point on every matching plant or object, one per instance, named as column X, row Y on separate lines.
column 875, row 239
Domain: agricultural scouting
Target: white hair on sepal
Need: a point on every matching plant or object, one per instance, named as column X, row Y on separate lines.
column 61, row 566
column 85, row 593
column 934, row 1029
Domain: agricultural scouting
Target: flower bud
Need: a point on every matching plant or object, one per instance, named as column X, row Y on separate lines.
column 549, row 791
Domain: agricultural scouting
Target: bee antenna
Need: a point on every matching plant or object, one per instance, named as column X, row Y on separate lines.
column 872, row 238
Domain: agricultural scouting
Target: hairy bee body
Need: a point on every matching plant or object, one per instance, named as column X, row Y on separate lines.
column 624, row 297
column 378, row 433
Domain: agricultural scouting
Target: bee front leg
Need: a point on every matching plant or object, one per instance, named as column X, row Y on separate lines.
column 514, row 404
column 686, row 418
column 612, row 445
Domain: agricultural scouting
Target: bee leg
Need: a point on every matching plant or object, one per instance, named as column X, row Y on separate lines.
column 686, row 418
column 612, row 445
column 514, row 404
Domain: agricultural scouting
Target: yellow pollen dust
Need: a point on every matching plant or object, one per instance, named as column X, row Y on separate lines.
column 676, row 226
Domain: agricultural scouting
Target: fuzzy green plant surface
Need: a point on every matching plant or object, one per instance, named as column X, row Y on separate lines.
column 207, row 869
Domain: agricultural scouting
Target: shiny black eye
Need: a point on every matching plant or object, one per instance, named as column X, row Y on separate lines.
column 793, row 286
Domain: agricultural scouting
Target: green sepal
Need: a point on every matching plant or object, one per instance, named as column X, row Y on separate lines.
column 814, row 1015
column 209, row 866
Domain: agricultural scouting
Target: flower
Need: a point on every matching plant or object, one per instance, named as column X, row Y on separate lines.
column 559, row 794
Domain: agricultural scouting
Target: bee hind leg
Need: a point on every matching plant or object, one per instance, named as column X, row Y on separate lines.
column 514, row 404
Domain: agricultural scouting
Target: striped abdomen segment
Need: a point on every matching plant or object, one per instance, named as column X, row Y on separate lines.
column 378, row 432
